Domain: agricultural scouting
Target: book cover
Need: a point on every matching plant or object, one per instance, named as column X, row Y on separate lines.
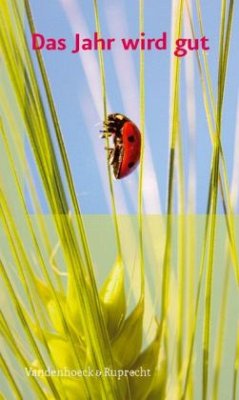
column 119, row 185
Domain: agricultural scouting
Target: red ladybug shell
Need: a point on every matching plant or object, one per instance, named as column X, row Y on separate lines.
column 125, row 155
column 131, row 149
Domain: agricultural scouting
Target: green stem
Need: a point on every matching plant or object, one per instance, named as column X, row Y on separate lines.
column 141, row 169
column 104, row 98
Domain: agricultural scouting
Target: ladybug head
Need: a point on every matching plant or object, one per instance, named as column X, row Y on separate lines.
column 117, row 117
column 116, row 121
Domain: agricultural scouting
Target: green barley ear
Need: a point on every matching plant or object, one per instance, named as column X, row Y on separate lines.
column 64, row 356
column 74, row 388
column 129, row 337
column 53, row 310
column 159, row 369
column 73, row 310
column 157, row 388
column 43, row 290
column 62, row 353
column 112, row 296
column 51, row 306
column 148, row 361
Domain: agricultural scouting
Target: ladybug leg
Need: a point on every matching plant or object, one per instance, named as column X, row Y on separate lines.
column 114, row 155
column 110, row 126
column 110, row 151
column 105, row 134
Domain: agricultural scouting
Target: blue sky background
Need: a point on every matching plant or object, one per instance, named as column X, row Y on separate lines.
column 75, row 83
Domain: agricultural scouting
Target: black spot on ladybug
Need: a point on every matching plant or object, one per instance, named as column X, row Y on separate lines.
column 131, row 164
column 131, row 138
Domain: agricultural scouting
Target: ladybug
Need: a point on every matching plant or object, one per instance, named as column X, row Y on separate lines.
column 125, row 154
